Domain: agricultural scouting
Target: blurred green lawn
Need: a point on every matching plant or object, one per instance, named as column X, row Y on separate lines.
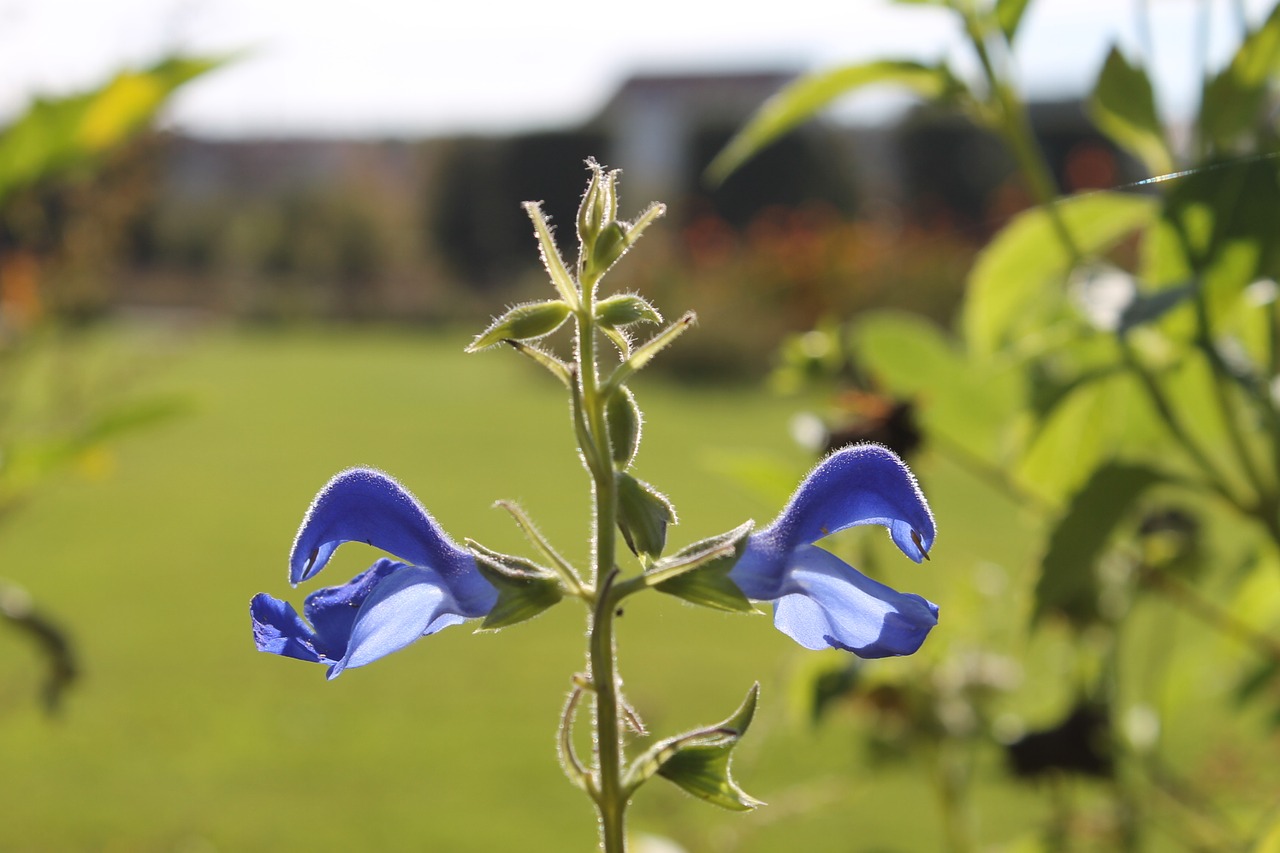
column 181, row 736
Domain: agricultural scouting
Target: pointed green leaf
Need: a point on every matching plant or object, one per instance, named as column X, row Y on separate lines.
column 551, row 260
column 701, row 765
column 1123, row 106
column 807, row 96
column 1023, row 268
column 1068, row 573
column 1009, row 16
column 56, row 135
column 623, row 309
column 525, row 322
column 643, row 516
column 699, row 573
column 1233, row 99
column 623, row 418
column 524, row 588
column 650, row 348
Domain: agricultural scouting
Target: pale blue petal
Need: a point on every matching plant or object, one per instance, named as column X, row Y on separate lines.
column 406, row 605
column 829, row 604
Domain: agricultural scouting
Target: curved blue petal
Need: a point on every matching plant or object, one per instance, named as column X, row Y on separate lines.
column 864, row 484
column 409, row 603
column 277, row 628
column 363, row 505
column 829, row 604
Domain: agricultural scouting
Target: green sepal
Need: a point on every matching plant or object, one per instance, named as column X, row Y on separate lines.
column 623, row 418
column 699, row 574
column 623, row 309
column 525, row 589
column 698, row 761
column 643, row 516
column 523, row 323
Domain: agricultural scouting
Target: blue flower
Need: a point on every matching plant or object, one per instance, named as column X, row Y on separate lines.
column 386, row 607
column 819, row 600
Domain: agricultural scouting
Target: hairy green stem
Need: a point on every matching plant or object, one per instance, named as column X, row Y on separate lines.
column 611, row 797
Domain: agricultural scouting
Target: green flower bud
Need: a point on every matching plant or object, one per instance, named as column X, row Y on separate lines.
column 522, row 323
column 623, row 418
column 610, row 244
column 643, row 516
column 623, row 309
column 590, row 211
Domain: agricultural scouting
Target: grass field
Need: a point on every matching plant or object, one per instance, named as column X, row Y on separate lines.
column 182, row 737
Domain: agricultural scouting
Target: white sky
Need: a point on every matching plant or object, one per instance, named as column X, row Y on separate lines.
column 427, row 67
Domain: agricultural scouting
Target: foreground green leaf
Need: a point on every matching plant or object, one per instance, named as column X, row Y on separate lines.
column 807, row 96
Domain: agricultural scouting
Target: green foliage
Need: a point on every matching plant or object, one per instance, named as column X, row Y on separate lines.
column 1009, row 15
column 1068, row 572
column 1233, row 99
column 1017, row 283
column 55, row 136
column 1123, row 107
column 1225, row 221
column 806, row 97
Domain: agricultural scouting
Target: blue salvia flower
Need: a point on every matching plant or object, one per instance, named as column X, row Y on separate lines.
column 819, row 600
column 386, row 607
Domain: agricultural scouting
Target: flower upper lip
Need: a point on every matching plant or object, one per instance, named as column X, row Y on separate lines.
column 366, row 505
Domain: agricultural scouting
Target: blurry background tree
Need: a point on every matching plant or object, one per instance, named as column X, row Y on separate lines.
column 67, row 184
column 1116, row 372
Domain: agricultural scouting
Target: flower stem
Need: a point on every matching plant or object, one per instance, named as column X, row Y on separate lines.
column 611, row 798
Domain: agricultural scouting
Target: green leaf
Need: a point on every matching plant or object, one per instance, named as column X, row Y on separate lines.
column 1234, row 98
column 702, row 769
column 525, row 322
column 1123, row 106
column 524, row 588
column 698, row 761
column 1226, row 219
column 1009, row 16
column 623, row 309
column 699, row 573
column 1068, row 579
column 1021, row 269
column 1073, row 438
column 54, row 136
column 551, row 260
column 643, row 516
column 805, row 97
column 623, row 418
column 969, row 402
column 644, row 353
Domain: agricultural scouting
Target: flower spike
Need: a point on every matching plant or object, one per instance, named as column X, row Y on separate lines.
column 819, row 600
